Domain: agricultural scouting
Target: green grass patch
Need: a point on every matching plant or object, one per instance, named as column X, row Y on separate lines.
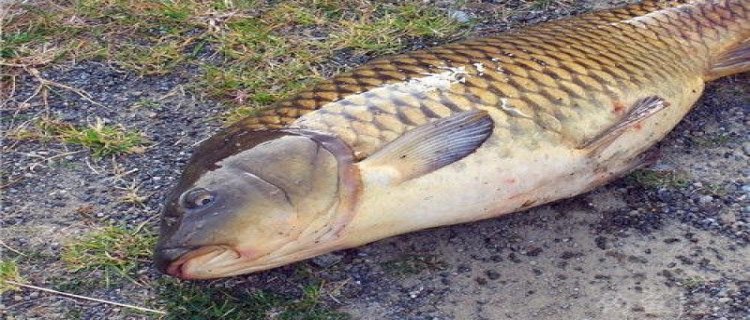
column 9, row 272
column 250, row 53
column 389, row 28
column 541, row 4
column 715, row 189
column 693, row 282
column 101, row 139
column 111, row 250
column 659, row 179
column 152, row 59
column 193, row 301
column 711, row 141
column 104, row 140
column 43, row 129
column 410, row 265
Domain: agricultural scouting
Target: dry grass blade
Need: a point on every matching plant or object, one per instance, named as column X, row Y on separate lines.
column 49, row 83
column 75, row 296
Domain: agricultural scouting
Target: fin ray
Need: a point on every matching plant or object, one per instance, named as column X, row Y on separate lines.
column 736, row 60
column 432, row 146
column 642, row 109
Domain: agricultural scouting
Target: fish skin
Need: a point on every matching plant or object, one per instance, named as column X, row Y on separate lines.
column 574, row 104
column 564, row 81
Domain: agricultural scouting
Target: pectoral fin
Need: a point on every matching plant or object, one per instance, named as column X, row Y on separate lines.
column 734, row 60
column 430, row 147
column 642, row 109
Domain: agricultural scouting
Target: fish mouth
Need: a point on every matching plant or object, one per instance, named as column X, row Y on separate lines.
column 201, row 263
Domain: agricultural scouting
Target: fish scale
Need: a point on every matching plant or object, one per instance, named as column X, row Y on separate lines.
column 551, row 80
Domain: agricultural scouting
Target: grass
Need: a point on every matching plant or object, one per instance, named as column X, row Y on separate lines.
column 715, row 189
column 541, row 4
column 190, row 301
column 131, row 194
column 693, row 282
column 104, row 140
column 659, row 179
column 711, row 140
column 111, row 251
column 390, row 31
column 9, row 272
column 101, row 139
column 249, row 53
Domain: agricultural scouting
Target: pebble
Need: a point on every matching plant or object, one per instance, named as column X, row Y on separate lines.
column 492, row 274
column 460, row 16
column 326, row 260
column 704, row 200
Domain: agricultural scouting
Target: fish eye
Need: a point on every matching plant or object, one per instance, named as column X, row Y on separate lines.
column 197, row 198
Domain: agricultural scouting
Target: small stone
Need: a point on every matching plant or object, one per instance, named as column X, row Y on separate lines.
column 725, row 300
column 460, row 16
column 708, row 222
column 704, row 200
column 601, row 242
column 326, row 260
column 728, row 218
column 481, row 281
column 415, row 293
column 533, row 252
column 746, row 148
column 492, row 274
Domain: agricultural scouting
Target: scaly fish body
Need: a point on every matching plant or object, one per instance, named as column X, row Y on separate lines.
column 532, row 116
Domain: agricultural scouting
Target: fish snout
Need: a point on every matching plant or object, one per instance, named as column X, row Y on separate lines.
column 163, row 257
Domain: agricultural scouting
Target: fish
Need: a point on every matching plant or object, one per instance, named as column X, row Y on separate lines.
column 461, row 132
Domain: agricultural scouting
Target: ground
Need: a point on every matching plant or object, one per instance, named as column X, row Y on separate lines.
column 104, row 100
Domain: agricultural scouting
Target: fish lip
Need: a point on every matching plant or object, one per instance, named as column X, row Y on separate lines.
column 175, row 268
column 164, row 257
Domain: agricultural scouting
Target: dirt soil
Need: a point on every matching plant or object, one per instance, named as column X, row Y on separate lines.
column 634, row 249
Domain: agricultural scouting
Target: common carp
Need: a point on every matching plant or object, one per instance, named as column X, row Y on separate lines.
column 456, row 133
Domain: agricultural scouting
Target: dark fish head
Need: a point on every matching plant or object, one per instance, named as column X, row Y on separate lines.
column 249, row 201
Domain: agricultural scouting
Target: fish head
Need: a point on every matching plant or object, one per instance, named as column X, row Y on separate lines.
column 250, row 201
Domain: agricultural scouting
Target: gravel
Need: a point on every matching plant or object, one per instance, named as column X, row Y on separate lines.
column 621, row 251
